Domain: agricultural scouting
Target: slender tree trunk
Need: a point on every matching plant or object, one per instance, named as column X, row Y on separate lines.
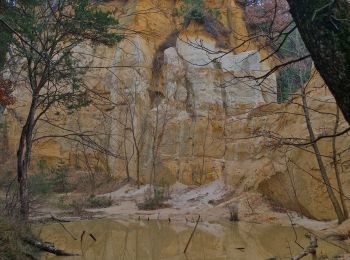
column 127, row 170
column 324, row 26
column 154, row 151
column 22, row 179
column 321, row 165
column 126, row 163
column 204, row 149
column 138, row 167
column 138, row 154
column 135, row 141
column 336, row 168
column 23, row 160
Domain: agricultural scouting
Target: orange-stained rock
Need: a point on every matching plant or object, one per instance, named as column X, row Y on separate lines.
column 191, row 121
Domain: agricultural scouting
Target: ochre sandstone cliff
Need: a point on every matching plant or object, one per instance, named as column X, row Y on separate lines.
column 192, row 120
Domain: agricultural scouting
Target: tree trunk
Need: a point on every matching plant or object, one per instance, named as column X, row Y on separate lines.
column 22, row 183
column 127, row 170
column 321, row 166
column 138, row 167
column 324, row 26
column 23, row 160
column 152, row 181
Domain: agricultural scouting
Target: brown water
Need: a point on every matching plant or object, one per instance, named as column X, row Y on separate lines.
column 155, row 240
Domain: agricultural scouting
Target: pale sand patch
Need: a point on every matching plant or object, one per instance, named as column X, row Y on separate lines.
column 211, row 201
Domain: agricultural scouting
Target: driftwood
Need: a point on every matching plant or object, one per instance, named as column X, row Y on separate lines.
column 47, row 247
column 194, row 230
column 311, row 249
column 59, row 219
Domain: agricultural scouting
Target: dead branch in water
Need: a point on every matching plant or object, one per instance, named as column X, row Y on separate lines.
column 93, row 237
column 47, row 247
column 295, row 233
column 64, row 228
column 81, row 242
column 311, row 249
column 194, row 230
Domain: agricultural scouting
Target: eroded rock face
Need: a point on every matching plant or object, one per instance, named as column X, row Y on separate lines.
column 179, row 107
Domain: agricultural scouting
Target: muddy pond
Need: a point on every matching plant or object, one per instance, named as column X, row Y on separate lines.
column 155, row 240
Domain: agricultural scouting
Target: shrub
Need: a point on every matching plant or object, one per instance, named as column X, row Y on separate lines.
column 78, row 207
column 43, row 183
column 42, row 166
column 98, row 202
column 195, row 10
column 156, row 201
column 59, row 179
column 64, row 203
column 39, row 184
column 152, row 204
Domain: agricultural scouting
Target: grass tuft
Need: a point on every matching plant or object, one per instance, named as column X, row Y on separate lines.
column 12, row 246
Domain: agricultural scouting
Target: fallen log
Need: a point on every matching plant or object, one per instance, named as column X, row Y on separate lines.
column 58, row 219
column 47, row 247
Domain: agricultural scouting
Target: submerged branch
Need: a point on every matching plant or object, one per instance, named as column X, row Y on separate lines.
column 311, row 249
column 47, row 247
column 194, row 230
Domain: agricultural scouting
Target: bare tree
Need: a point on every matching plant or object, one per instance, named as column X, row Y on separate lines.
column 44, row 46
column 338, row 210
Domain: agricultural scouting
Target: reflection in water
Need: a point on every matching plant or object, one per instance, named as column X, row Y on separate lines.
column 155, row 240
